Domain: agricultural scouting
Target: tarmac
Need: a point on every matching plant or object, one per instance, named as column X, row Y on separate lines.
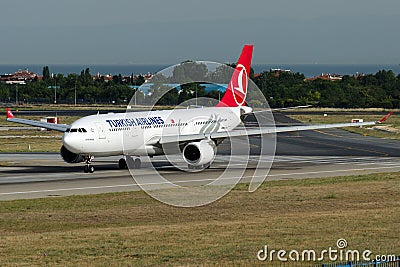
column 308, row 154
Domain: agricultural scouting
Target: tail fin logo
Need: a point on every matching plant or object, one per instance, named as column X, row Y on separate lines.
column 239, row 89
column 9, row 114
column 235, row 94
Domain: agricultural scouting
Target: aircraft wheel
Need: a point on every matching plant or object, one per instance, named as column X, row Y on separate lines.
column 137, row 164
column 122, row 164
column 86, row 169
column 91, row 169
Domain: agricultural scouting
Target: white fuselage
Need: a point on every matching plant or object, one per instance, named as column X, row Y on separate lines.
column 130, row 133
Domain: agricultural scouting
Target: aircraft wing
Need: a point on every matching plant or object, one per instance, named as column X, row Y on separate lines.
column 275, row 109
column 270, row 130
column 257, row 131
column 296, row 107
column 50, row 126
column 253, row 112
column 46, row 125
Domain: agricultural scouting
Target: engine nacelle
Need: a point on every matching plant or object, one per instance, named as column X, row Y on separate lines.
column 199, row 153
column 69, row 156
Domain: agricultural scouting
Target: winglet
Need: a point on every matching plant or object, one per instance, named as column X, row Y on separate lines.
column 9, row 113
column 387, row 116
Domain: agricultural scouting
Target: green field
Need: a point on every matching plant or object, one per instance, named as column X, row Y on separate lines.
column 66, row 107
column 31, row 140
column 132, row 229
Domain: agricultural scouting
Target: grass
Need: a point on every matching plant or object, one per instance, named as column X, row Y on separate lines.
column 131, row 229
column 67, row 107
column 94, row 107
column 322, row 109
column 31, row 140
column 35, row 144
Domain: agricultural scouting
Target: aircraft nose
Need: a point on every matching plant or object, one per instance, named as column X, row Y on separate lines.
column 72, row 143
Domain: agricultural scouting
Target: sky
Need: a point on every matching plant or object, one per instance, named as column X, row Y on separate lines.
column 168, row 32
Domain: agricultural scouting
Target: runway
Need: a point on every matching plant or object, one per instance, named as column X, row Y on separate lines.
column 45, row 175
column 308, row 154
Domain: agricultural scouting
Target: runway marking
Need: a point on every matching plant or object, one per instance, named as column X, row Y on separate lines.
column 320, row 160
column 346, row 147
column 359, row 161
column 188, row 181
column 329, row 134
column 356, row 136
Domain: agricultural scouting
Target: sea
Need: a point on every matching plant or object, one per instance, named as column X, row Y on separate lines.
column 309, row 70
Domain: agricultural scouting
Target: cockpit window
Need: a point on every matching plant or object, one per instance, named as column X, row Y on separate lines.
column 68, row 130
column 74, row 130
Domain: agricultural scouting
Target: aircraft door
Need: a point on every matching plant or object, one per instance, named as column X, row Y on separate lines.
column 100, row 130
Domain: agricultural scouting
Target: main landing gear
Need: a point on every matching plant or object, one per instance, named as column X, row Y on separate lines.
column 88, row 168
column 129, row 161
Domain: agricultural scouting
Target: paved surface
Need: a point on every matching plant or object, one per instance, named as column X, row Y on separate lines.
column 44, row 175
column 299, row 155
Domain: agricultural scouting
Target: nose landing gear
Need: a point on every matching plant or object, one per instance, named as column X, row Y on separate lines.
column 88, row 168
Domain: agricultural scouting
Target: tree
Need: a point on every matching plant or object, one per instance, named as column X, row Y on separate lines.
column 139, row 80
column 4, row 93
column 189, row 91
column 46, row 73
column 164, row 95
column 86, row 78
column 189, row 71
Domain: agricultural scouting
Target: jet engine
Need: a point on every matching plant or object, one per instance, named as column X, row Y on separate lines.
column 199, row 153
column 69, row 156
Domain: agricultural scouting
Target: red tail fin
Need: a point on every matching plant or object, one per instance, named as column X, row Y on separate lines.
column 9, row 113
column 235, row 94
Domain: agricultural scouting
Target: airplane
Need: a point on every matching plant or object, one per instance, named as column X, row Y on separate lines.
column 196, row 132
